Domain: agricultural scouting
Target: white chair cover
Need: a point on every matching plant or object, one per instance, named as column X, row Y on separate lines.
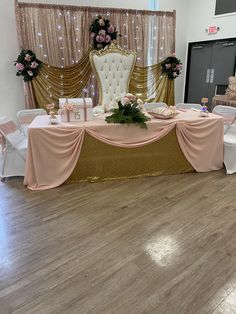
column 229, row 115
column 227, row 112
column 113, row 67
column 14, row 149
column 188, row 106
column 230, row 149
column 26, row 116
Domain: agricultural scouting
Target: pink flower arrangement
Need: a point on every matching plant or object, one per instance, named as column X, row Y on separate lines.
column 129, row 111
column 103, row 33
column 27, row 65
column 171, row 66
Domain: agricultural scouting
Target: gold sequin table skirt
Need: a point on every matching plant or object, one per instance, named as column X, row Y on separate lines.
column 99, row 161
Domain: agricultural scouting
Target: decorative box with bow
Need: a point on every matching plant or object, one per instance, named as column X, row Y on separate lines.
column 76, row 109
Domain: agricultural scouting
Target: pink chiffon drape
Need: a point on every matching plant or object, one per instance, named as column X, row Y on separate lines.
column 54, row 150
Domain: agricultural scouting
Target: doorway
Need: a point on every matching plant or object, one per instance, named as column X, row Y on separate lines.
column 210, row 63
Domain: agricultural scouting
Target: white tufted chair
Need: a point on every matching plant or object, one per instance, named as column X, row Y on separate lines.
column 113, row 67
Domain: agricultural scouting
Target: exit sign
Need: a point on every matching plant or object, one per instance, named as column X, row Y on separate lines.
column 212, row 30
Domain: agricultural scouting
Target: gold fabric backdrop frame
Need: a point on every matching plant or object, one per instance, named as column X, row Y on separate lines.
column 39, row 27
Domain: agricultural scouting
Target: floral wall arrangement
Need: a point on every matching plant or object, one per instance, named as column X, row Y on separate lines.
column 27, row 65
column 172, row 67
column 103, row 32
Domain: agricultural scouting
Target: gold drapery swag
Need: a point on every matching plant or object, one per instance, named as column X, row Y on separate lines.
column 53, row 83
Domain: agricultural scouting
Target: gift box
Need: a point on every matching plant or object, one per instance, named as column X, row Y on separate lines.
column 76, row 109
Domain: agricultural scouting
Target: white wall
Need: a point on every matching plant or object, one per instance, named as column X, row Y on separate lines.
column 11, row 87
column 182, row 11
column 201, row 15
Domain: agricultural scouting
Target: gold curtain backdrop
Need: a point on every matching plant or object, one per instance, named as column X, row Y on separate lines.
column 53, row 83
column 59, row 36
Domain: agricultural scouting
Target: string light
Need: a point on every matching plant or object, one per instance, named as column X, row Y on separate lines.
column 39, row 34
column 41, row 46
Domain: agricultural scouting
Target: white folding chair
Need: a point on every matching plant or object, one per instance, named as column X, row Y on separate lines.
column 153, row 105
column 188, row 106
column 229, row 115
column 227, row 112
column 14, row 147
column 26, row 116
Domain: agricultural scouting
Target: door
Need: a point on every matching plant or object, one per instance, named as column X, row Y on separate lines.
column 222, row 65
column 210, row 66
column 199, row 73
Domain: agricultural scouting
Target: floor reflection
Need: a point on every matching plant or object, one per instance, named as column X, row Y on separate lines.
column 4, row 256
column 162, row 250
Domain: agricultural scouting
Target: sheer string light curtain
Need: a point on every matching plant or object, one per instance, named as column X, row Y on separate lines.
column 59, row 36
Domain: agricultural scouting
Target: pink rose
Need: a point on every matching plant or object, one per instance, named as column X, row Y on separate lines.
column 125, row 101
column 130, row 96
column 34, row 65
column 175, row 74
column 107, row 39
column 101, row 22
column 30, row 73
column 93, row 35
column 179, row 67
column 50, row 106
column 100, row 39
column 27, row 57
column 102, row 32
column 167, row 65
column 20, row 66
column 111, row 29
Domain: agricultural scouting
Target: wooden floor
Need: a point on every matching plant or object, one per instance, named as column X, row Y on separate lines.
column 151, row 245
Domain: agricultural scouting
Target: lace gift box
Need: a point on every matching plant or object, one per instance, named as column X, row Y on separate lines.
column 76, row 109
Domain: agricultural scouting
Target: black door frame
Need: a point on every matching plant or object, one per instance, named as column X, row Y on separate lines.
column 189, row 58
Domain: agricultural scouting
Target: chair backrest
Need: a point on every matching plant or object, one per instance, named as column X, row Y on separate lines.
column 10, row 132
column 113, row 67
column 26, row 116
column 227, row 112
column 153, row 105
column 224, row 110
column 188, row 106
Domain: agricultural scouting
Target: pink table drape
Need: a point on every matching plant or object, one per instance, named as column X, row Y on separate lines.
column 54, row 150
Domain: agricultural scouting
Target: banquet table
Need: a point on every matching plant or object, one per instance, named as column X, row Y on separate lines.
column 96, row 150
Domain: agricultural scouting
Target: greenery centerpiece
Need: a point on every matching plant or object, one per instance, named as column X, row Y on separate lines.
column 102, row 32
column 128, row 111
column 172, row 67
column 27, row 65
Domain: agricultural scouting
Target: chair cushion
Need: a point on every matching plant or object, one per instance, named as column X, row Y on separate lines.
column 231, row 90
